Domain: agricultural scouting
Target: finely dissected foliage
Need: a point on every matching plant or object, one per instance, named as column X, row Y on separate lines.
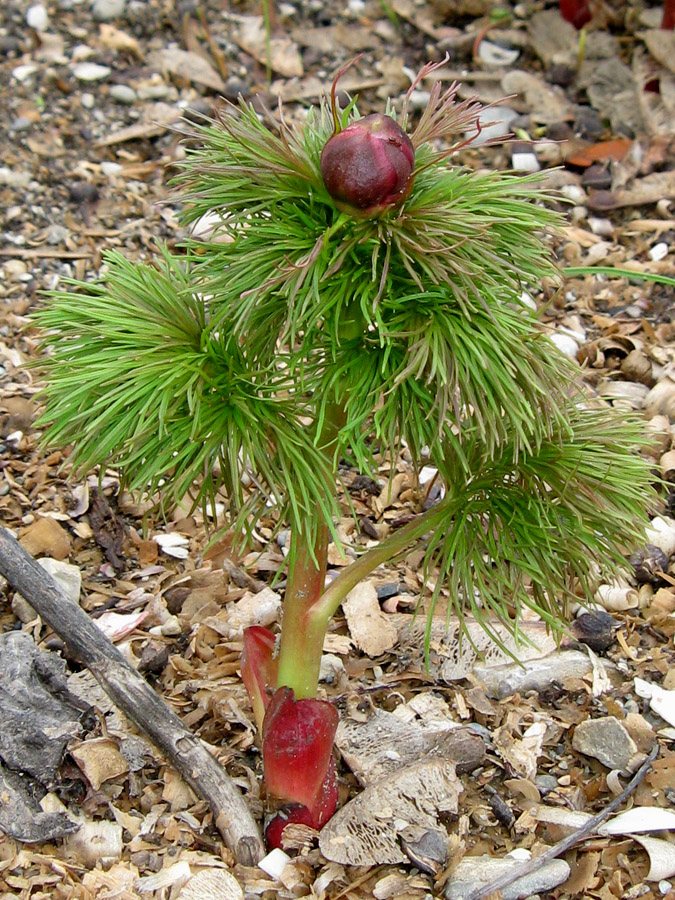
column 298, row 335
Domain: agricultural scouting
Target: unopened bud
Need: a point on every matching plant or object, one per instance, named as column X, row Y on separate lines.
column 368, row 167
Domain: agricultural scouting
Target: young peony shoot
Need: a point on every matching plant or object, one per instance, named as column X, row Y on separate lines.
column 360, row 295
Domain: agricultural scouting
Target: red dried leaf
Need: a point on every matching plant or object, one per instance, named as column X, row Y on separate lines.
column 259, row 669
column 297, row 747
column 615, row 149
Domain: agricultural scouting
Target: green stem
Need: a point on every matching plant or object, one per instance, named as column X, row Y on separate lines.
column 387, row 549
column 302, row 635
column 302, row 630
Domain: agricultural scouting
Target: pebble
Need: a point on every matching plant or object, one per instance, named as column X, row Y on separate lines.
column 110, row 169
column 105, row 10
column 588, row 124
column 14, row 268
column 89, row 71
column 597, row 177
column 566, row 344
column 57, row 234
column 603, row 227
column 83, row 192
column 607, row 741
column 14, row 177
column 494, row 123
column 524, row 161
column 37, row 17
column 87, row 100
column 23, row 73
column 573, row 192
column 123, row 94
column 495, row 55
column 658, row 251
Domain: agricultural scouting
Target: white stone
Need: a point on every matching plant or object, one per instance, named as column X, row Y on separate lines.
column 37, row 17
column 566, row 344
column 123, row 93
column 524, row 161
column 105, row 10
column 89, row 71
column 658, row 251
column 274, row 863
column 495, row 123
column 23, row 73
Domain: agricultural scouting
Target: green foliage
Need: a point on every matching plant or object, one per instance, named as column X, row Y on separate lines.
column 234, row 356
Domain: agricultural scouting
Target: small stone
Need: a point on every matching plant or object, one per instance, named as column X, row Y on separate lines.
column 234, row 87
column 561, row 74
column 559, row 131
column 105, row 10
column 67, row 576
column 57, row 234
column 385, row 591
column 658, row 251
column 14, row 177
column 524, row 161
column 588, row 124
column 601, row 227
column 597, row 177
column 123, row 94
column 89, row 71
column 478, row 871
column 597, row 630
column 110, row 169
column 15, row 268
column 607, row 741
column 23, row 73
column 495, row 123
column 332, row 669
column 83, row 192
column 566, row 344
column 87, row 100
column 9, row 45
column 37, row 17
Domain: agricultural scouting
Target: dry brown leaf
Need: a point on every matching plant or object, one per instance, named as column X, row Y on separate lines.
column 284, row 56
column 187, row 66
column 372, row 630
column 100, row 760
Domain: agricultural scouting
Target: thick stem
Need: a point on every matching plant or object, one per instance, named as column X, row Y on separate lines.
column 301, row 634
column 302, row 630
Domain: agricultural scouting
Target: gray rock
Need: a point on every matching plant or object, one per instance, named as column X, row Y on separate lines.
column 123, row 94
column 476, row 871
column 607, row 741
column 105, row 10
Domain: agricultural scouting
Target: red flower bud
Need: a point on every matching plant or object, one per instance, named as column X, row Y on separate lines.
column 297, row 747
column 576, row 12
column 368, row 166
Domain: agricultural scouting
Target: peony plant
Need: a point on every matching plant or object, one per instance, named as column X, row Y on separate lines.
column 360, row 294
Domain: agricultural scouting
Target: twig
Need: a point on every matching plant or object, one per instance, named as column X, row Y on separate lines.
column 135, row 698
column 563, row 846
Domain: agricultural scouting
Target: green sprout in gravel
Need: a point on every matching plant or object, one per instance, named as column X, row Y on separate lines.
column 316, row 327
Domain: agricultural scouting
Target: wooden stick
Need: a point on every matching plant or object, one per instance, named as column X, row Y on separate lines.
column 135, row 698
column 498, row 884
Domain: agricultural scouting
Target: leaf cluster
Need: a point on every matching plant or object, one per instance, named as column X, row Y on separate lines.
column 298, row 335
